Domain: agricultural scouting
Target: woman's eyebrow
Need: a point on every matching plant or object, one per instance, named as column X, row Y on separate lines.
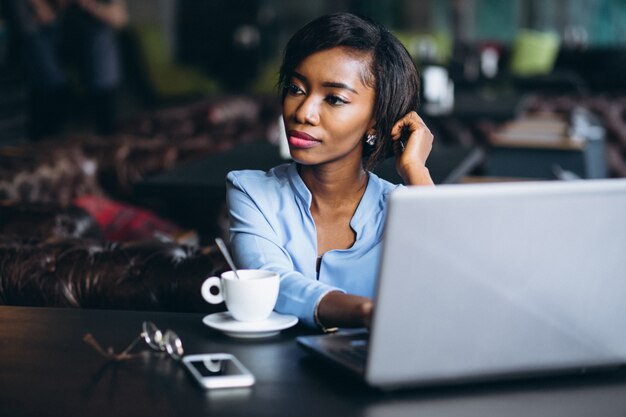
column 331, row 84
column 339, row 85
column 299, row 76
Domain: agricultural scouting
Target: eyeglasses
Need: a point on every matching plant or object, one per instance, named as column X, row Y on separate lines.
column 157, row 340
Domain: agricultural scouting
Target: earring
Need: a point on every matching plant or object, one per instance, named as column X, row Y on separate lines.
column 370, row 139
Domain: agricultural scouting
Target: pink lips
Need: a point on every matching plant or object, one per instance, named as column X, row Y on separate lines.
column 302, row 140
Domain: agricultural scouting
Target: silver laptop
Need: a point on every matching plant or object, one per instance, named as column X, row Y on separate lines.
column 490, row 281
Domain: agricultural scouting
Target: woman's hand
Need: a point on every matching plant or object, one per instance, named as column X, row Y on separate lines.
column 337, row 309
column 411, row 163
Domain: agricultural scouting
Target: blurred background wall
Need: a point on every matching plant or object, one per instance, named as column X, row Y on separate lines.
column 234, row 39
column 239, row 42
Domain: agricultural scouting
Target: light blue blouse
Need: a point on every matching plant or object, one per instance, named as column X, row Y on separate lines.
column 271, row 227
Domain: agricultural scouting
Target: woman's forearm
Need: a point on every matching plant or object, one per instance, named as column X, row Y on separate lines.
column 418, row 176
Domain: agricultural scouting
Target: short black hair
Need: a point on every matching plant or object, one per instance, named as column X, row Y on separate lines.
column 393, row 74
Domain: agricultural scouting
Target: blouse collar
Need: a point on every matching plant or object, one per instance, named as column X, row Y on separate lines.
column 366, row 210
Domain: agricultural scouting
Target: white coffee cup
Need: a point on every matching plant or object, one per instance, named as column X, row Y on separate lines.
column 251, row 297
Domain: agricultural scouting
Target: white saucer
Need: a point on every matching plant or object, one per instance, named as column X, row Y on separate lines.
column 271, row 326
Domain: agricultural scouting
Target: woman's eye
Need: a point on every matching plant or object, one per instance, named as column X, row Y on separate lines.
column 335, row 100
column 293, row 89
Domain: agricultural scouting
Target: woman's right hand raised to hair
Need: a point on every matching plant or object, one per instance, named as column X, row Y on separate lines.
column 411, row 163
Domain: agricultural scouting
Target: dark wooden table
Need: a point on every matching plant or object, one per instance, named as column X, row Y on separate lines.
column 47, row 370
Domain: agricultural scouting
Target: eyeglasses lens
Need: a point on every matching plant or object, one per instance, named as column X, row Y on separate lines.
column 169, row 342
column 153, row 336
column 173, row 344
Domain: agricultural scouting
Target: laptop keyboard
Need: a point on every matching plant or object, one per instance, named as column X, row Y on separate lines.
column 356, row 354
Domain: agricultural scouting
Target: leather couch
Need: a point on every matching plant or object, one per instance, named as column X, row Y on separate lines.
column 54, row 256
column 83, row 273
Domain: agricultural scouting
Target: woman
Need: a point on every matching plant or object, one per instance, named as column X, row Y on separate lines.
column 349, row 92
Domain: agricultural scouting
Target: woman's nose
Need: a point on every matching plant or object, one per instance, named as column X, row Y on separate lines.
column 308, row 111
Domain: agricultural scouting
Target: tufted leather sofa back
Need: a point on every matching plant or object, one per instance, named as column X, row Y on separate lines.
column 75, row 272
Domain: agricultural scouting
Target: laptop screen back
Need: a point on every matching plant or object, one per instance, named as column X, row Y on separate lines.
column 481, row 281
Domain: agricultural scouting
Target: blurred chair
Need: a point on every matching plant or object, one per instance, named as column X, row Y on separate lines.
column 166, row 79
column 427, row 48
column 532, row 65
column 534, row 53
column 265, row 83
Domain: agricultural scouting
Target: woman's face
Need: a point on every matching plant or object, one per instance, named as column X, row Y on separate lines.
column 327, row 108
